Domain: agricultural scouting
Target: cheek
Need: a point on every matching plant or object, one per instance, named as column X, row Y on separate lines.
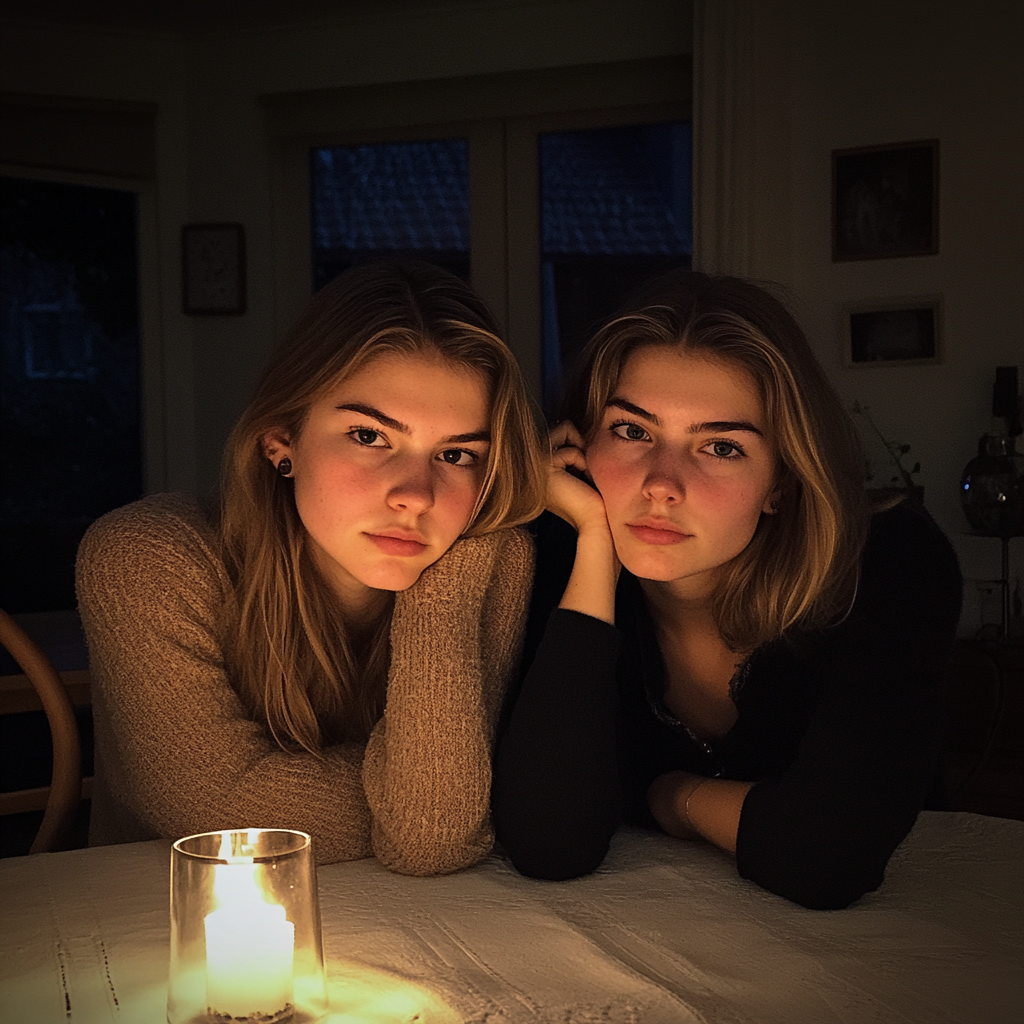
column 616, row 478
column 455, row 501
column 329, row 491
column 733, row 505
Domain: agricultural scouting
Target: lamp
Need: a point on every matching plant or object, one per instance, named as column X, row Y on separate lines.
column 245, row 930
column 992, row 486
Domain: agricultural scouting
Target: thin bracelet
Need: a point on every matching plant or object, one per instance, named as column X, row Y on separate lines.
column 686, row 806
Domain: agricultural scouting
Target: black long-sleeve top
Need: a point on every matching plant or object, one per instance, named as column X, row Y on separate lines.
column 840, row 730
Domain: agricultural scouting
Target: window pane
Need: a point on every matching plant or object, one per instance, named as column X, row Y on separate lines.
column 69, row 391
column 387, row 200
column 616, row 208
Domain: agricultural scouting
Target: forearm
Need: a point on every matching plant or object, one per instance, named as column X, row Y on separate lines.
column 428, row 764
column 694, row 807
column 179, row 773
column 595, row 572
column 428, row 790
column 556, row 788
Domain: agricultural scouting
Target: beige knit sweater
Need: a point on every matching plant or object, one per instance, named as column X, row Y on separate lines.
column 176, row 755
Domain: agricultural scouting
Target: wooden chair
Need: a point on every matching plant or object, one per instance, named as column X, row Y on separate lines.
column 65, row 790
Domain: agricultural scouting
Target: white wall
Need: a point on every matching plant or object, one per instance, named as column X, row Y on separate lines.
column 212, row 158
column 880, row 72
column 779, row 84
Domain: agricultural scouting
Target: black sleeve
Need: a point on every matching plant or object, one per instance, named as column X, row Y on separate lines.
column 555, row 792
column 822, row 833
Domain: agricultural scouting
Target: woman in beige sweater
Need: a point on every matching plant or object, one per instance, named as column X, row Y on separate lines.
column 327, row 651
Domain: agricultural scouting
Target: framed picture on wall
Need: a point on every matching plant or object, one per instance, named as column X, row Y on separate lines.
column 892, row 332
column 213, row 269
column 885, row 201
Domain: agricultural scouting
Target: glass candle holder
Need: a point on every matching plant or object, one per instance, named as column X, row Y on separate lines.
column 245, row 930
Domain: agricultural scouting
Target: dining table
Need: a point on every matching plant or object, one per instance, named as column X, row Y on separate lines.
column 664, row 932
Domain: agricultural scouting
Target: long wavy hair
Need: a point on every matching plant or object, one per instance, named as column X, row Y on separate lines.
column 799, row 572
column 292, row 656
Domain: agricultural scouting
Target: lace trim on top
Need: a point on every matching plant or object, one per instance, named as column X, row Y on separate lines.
column 662, row 713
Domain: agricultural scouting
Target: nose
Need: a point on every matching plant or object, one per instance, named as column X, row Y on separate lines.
column 664, row 483
column 413, row 491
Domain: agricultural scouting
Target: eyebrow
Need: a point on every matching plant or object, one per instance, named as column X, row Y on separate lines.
column 711, row 426
column 402, row 428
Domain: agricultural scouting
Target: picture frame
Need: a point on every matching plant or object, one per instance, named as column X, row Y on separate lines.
column 213, row 269
column 885, row 201
column 892, row 332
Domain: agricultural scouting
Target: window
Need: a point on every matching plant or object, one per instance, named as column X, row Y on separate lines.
column 388, row 200
column 70, row 391
column 615, row 209
column 451, row 170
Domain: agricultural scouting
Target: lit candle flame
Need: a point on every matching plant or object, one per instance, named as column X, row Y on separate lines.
column 249, row 942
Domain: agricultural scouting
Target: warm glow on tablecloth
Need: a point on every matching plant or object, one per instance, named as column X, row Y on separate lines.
column 665, row 932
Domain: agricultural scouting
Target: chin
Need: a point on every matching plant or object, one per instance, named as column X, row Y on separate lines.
column 395, row 575
column 649, row 563
column 392, row 580
column 645, row 570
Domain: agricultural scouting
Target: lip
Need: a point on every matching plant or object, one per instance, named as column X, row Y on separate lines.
column 395, row 544
column 657, row 531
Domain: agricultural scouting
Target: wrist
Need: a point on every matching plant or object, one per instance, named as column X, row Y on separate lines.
column 667, row 796
column 594, row 544
column 595, row 531
column 698, row 782
column 595, row 573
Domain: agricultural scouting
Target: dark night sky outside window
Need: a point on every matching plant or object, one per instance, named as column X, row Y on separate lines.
column 389, row 200
column 616, row 209
column 69, row 389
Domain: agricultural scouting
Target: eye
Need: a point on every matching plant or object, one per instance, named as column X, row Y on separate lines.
column 724, row 450
column 458, row 457
column 630, row 431
column 368, row 438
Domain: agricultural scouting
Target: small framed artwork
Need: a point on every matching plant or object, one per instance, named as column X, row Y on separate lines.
column 885, row 201
column 213, row 269
column 892, row 332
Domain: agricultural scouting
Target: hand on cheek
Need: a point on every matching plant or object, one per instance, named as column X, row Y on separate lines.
column 570, row 495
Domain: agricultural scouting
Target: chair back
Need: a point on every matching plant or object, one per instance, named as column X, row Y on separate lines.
column 66, row 783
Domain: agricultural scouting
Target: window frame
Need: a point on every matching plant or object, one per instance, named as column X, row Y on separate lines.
column 501, row 117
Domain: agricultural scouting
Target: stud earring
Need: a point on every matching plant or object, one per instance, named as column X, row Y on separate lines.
column 284, row 467
column 773, row 506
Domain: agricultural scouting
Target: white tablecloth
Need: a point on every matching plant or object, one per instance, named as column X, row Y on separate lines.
column 665, row 932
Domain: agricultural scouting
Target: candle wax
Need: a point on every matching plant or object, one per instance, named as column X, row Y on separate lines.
column 249, row 960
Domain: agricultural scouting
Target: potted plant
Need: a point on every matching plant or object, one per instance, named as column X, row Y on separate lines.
column 902, row 482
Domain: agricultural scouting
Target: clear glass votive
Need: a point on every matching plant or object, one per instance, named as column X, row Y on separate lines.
column 245, row 930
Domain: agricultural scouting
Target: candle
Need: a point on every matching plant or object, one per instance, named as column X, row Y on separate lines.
column 250, row 946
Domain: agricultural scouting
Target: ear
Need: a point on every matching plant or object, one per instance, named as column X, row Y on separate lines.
column 276, row 445
column 773, row 502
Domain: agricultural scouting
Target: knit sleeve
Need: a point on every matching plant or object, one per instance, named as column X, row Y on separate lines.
column 176, row 753
column 455, row 637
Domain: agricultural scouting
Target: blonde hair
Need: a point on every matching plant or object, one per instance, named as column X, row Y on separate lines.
column 292, row 657
column 799, row 571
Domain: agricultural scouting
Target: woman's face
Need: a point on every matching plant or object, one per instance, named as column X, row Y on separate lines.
column 387, row 469
column 684, row 465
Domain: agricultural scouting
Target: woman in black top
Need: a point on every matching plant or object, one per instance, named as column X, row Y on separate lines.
column 724, row 641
